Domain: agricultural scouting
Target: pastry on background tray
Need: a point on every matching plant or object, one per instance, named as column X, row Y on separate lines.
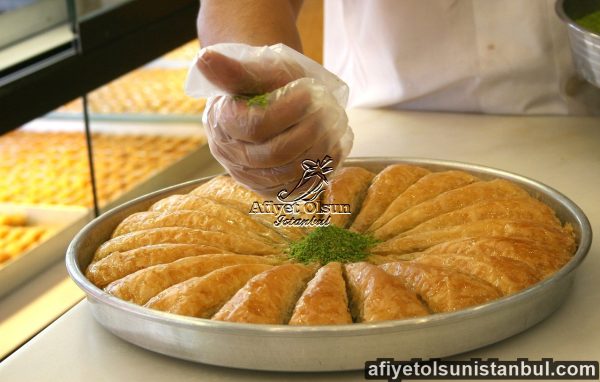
column 17, row 237
column 53, row 168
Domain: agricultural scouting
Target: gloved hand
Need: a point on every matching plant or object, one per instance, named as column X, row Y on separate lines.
column 262, row 140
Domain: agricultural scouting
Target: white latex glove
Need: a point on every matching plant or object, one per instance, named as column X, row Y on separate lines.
column 263, row 141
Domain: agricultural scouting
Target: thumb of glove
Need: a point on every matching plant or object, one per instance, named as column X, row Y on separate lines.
column 259, row 76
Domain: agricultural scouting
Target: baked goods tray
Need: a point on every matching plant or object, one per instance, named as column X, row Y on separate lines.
column 198, row 161
column 178, row 63
column 319, row 348
column 62, row 222
column 183, row 169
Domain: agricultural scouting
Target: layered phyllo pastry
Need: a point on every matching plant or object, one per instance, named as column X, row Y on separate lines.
column 411, row 243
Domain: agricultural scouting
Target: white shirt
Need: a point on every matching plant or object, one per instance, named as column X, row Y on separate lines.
column 489, row 56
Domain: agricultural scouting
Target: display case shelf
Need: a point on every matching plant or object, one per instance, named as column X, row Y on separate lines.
column 110, row 42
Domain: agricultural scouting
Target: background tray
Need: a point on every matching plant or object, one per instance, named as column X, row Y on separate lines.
column 183, row 169
column 65, row 222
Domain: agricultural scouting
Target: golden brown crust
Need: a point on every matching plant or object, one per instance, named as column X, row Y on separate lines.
column 204, row 296
column 200, row 203
column 4, row 256
column 443, row 289
column 15, row 219
column 508, row 275
column 385, row 187
column 559, row 238
column 120, row 264
column 384, row 259
column 449, row 201
column 225, row 190
column 378, row 296
column 144, row 284
column 451, row 241
column 181, row 235
column 121, row 161
column 324, row 301
column 184, row 202
column 428, row 187
column 543, row 258
column 348, row 186
column 269, row 297
column 522, row 209
column 211, row 218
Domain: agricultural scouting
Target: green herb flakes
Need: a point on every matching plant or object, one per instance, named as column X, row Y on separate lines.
column 590, row 22
column 259, row 100
column 331, row 243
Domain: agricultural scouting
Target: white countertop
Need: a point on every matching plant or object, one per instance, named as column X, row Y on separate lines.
column 563, row 152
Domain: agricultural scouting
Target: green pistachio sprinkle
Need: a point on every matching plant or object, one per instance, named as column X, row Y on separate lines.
column 331, row 243
column 590, row 22
column 261, row 100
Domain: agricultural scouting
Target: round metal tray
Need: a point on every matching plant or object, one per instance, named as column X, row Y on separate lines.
column 327, row 348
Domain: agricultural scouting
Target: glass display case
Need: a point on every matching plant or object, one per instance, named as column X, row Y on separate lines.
column 144, row 131
column 151, row 93
column 34, row 30
column 89, row 121
column 49, row 164
column 100, row 40
column 57, row 174
column 145, row 134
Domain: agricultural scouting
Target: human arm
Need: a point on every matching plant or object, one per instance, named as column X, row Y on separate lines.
column 252, row 22
column 262, row 145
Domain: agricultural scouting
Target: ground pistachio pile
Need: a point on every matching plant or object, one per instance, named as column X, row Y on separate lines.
column 331, row 243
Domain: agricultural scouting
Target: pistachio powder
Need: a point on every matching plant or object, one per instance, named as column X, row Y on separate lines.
column 331, row 243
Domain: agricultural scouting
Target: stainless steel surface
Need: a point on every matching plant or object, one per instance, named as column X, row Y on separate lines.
column 585, row 44
column 328, row 348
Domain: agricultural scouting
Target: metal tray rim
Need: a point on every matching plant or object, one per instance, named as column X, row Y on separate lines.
column 355, row 329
